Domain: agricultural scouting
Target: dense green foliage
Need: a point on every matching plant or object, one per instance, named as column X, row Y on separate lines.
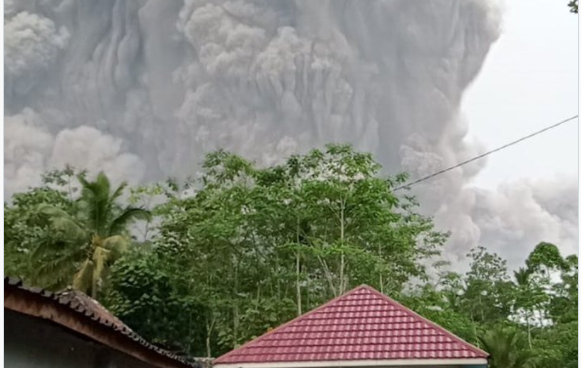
column 66, row 240
column 241, row 249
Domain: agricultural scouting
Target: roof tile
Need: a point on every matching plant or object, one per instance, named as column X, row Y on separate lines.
column 362, row 324
column 93, row 310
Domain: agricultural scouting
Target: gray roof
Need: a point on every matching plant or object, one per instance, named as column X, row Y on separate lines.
column 81, row 303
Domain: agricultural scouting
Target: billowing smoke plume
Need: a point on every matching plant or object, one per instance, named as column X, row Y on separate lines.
column 143, row 89
column 525, row 211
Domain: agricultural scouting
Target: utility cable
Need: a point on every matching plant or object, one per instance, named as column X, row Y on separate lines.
column 486, row 154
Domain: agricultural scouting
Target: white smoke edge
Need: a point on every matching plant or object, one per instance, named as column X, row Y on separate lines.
column 30, row 150
column 524, row 212
column 157, row 84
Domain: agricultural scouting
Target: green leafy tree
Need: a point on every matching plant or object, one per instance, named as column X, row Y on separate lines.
column 489, row 294
column 563, row 305
column 545, row 258
column 557, row 343
column 261, row 245
column 88, row 237
column 574, row 6
column 543, row 265
column 557, row 346
column 357, row 229
column 145, row 294
column 25, row 228
column 528, row 297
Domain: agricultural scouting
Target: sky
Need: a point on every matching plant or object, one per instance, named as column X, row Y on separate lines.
column 529, row 81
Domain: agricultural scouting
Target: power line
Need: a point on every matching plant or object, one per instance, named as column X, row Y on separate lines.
column 486, row 154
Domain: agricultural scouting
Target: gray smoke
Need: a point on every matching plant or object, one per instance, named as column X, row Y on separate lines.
column 142, row 89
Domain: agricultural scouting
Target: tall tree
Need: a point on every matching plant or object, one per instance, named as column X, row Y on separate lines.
column 261, row 245
column 544, row 264
column 488, row 296
column 88, row 237
column 528, row 296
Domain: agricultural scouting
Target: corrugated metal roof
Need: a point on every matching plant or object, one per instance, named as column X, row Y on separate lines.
column 362, row 324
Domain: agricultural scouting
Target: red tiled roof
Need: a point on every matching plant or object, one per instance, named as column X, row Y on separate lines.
column 362, row 324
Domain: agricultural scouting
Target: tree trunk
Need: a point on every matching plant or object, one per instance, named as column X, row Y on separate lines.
column 529, row 332
column 209, row 328
column 342, row 283
column 299, row 301
column 298, row 272
column 328, row 276
column 380, row 271
column 235, row 306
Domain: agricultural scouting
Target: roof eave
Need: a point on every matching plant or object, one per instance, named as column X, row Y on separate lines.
column 360, row 363
column 43, row 304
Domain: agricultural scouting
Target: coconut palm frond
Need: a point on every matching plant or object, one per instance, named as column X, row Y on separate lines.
column 51, row 212
column 64, row 225
column 522, row 276
column 507, row 349
column 59, row 251
column 68, row 242
column 88, row 237
column 95, row 196
column 526, row 359
column 54, row 272
column 46, row 246
column 119, row 224
column 118, row 192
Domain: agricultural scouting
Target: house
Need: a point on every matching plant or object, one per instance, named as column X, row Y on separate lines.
column 70, row 329
column 362, row 328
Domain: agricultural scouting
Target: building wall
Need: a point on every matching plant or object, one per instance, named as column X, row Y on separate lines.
column 35, row 343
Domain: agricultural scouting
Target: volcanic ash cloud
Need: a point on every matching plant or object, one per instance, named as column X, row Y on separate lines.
column 144, row 88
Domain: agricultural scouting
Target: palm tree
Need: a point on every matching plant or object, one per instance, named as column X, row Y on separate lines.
column 507, row 349
column 90, row 237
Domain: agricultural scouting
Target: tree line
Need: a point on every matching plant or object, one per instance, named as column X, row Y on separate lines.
column 202, row 266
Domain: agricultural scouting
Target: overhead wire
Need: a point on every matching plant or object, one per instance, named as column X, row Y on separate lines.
column 437, row 173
